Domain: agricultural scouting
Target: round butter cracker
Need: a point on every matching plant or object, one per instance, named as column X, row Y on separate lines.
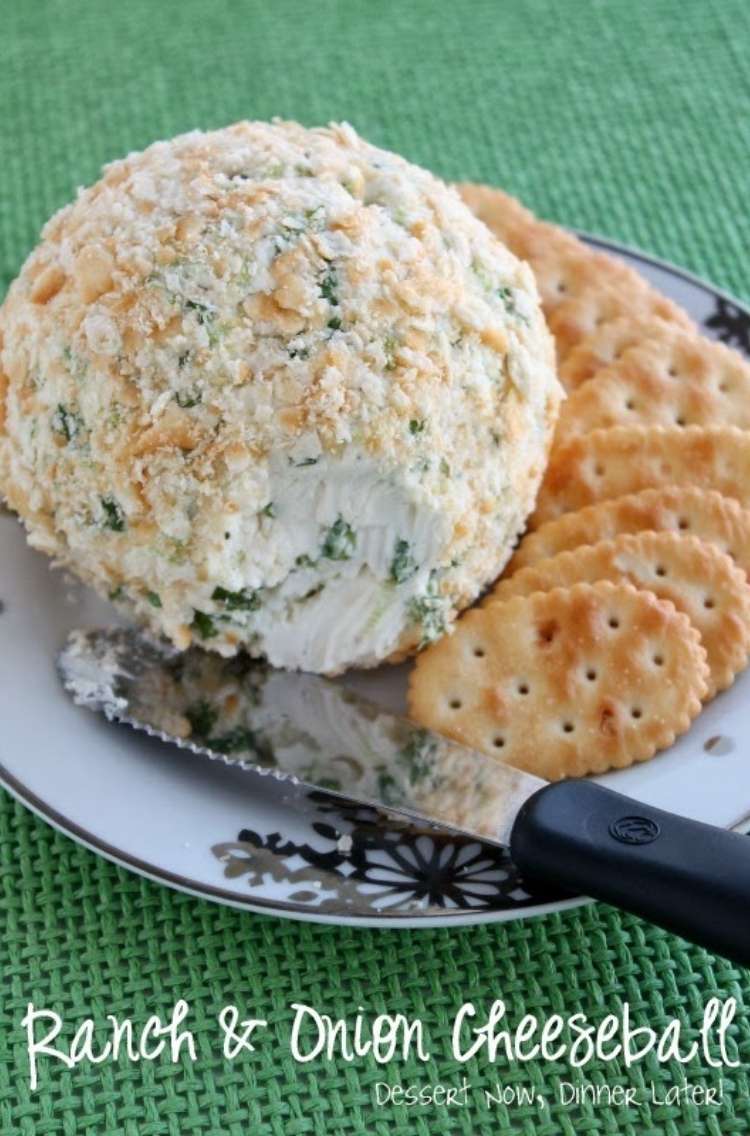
column 607, row 342
column 705, row 513
column 696, row 577
column 567, row 682
column 625, row 459
column 680, row 380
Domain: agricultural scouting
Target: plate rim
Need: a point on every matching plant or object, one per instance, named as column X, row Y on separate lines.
column 271, row 907
column 387, row 920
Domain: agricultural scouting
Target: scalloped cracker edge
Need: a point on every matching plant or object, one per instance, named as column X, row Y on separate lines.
column 625, row 459
column 580, row 287
column 681, row 380
column 696, row 577
column 683, row 509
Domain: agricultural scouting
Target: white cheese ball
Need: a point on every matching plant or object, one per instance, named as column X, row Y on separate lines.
column 273, row 388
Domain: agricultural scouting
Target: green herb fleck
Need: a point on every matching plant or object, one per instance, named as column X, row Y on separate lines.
column 508, row 296
column 429, row 611
column 299, row 352
column 387, row 788
column 292, row 226
column 175, row 551
column 305, row 561
column 269, row 510
column 216, row 332
column 242, row 740
column 328, row 783
column 416, row 426
column 335, row 324
column 340, row 541
column 390, row 346
column 403, row 564
column 183, row 358
column 188, row 399
column 66, row 423
column 114, row 518
column 202, row 311
column 204, row 625
column 202, row 718
column 445, row 469
column 328, row 287
column 418, row 755
column 481, row 273
column 117, row 593
column 243, row 600
column 495, row 437
column 153, row 599
column 304, row 462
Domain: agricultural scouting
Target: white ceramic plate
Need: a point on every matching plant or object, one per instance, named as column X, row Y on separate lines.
column 219, row 833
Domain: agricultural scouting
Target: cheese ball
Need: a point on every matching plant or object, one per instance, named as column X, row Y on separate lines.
column 274, row 389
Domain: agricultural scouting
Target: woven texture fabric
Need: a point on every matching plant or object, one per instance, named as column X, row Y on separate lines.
column 627, row 118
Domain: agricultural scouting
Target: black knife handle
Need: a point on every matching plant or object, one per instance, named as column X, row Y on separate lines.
column 688, row 877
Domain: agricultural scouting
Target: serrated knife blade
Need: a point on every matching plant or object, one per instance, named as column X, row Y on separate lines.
column 689, row 877
column 292, row 726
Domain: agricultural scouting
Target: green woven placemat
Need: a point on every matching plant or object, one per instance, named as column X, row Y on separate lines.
column 631, row 119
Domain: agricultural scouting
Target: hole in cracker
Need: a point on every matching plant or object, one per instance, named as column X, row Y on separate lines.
column 599, row 469
column 568, row 727
column 455, row 703
column 708, row 602
column 660, row 570
column 658, row 660
column 498, row 742
column 613, row 622
column 547, row 631
column 591, row 674
column 683, row 523
column 523, row 688
column 680, row 421
column 608, row 721
column 636, row 712
column 723, row 387
column 629, row 404
column 479, row 652
column 672, row 372
column 561, row 287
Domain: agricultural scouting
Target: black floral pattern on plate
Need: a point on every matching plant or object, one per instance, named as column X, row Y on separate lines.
column 366, row 862
column 730, row 324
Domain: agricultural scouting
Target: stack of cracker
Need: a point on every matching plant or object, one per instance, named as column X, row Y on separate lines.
column 627, row 604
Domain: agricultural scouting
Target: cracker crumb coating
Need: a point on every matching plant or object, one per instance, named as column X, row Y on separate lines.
column 274, row 388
